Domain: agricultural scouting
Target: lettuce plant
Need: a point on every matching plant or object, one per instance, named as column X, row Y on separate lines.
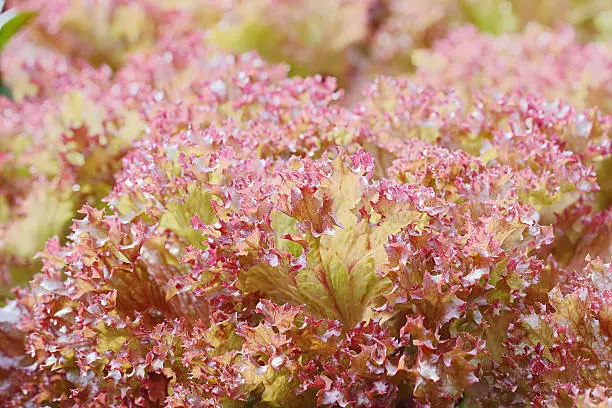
column 97, row 31
column 343, row 38
column 243, row 238
column 62, row 144
column 58, row 151
column 552, row 63
column 264, row 245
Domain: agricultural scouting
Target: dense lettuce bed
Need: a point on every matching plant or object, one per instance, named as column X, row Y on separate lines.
column 274, row 203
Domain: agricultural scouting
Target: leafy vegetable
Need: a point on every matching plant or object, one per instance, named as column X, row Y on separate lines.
column 183, row 226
